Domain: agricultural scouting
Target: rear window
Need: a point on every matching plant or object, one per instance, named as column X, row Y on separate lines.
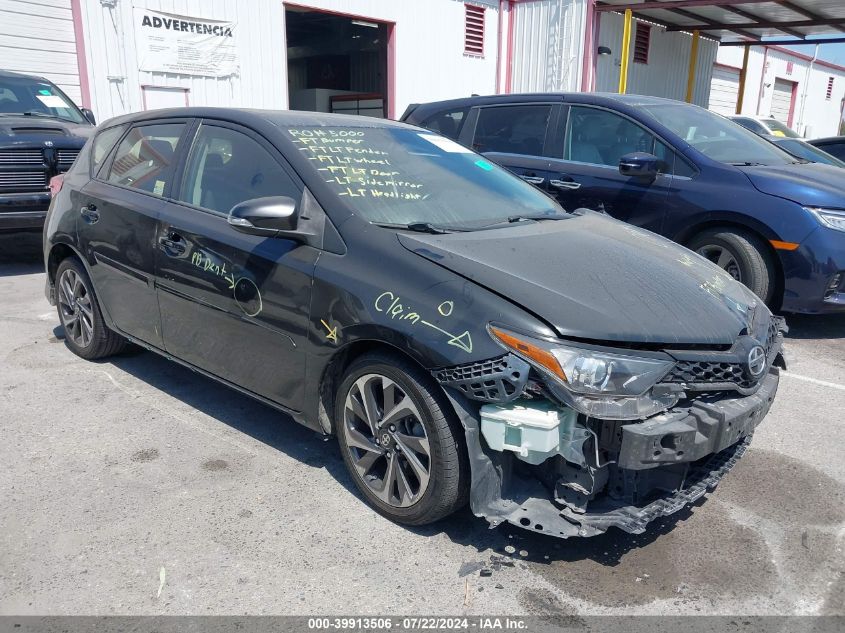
column 102, row 146
column 145, row 156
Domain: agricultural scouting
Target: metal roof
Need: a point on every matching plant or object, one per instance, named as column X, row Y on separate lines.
column 739, row 20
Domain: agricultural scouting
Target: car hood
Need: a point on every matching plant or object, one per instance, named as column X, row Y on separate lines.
column 592, row 277
column 18, row 128
column 811, row 184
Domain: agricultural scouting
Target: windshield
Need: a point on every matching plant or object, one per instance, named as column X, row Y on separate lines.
column 24, row 95
column 717, row 137
column 779, row 129
column 403, row 176
column 804, row 150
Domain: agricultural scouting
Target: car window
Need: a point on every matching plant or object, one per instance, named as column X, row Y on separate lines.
column 227, row 167
column 751, row 124
column 512, row 129
column 804, row 150
column 396, row 175
column 600, row 137
column 835, row 149
column 36, row 98
column 715, row 136
column 448, row 123
column 144, row 157
column 779, row 129
column 103, row 144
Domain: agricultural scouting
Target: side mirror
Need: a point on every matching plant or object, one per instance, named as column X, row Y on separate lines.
column 639, row 165
column 275, row 216
column 89, row 115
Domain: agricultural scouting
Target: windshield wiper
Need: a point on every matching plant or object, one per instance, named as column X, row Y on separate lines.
column 512, row 219
column 418, row 227
column 41, row 113
column 746, row 164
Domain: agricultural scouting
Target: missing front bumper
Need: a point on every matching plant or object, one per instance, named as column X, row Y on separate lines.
column 707, row 439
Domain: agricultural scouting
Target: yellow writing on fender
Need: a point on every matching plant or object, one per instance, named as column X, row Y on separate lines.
column 390, row 303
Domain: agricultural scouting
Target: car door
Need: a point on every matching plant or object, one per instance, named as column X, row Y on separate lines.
column 232, row 304
column 119, row 211
column 515, row 136
column 586, row 173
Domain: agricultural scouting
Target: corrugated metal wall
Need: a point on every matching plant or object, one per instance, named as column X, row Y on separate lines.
column 113, row 65
column 428, row 50
column 665, row 75
column 548, row 45
column 36, row 37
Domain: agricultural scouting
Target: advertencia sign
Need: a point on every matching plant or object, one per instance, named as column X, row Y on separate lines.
column 169, row 43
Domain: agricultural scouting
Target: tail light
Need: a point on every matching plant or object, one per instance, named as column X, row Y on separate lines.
column 56, row 183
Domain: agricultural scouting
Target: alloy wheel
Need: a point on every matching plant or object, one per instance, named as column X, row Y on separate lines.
column 76, row 308
column 387, row 440
column 723, row 258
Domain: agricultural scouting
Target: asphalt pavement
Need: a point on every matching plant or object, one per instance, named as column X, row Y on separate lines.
column 134, row 486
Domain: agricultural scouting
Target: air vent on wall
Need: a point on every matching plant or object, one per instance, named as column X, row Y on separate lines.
column 474, row 30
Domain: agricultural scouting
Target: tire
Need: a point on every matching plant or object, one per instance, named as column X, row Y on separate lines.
column 86, row 334
column 426, row 411
column 751, row 261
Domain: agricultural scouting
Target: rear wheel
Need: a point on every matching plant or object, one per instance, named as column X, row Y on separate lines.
column 742, row 255
column 399, row 440
column 86, row 333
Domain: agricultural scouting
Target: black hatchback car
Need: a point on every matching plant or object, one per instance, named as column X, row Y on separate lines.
column 773, row 221
column 463, row 336
column 41, row 133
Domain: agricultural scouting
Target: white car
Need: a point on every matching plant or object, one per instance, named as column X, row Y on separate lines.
column 765, row 125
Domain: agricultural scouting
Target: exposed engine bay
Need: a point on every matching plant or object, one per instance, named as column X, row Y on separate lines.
column 544, row 461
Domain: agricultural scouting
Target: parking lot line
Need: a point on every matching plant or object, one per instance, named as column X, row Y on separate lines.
column 816, row 381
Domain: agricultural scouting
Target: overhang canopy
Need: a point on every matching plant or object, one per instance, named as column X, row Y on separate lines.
column 739, row 20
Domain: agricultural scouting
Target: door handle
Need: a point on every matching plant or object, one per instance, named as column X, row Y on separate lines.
column 534, row 180
column 90, row 214
column 172, row 243
column 564, row 184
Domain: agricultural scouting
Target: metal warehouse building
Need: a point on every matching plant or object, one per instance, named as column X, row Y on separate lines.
column 375, row 57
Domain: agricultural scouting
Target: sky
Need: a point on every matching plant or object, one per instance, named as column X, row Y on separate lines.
column 829, row 52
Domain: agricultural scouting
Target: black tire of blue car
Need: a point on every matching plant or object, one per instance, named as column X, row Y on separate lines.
column 386, row 457
column 86, row 333
column 751, row 262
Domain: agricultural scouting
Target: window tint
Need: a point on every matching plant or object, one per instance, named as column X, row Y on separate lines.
column 512, row 129
column 227, row 167
column 144, row 157
column 836, row 149
column 447, row 123
column 102, row 145
column 600, row 137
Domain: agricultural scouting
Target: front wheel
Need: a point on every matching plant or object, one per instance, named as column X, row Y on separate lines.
column 400, row 440
column 742, row 255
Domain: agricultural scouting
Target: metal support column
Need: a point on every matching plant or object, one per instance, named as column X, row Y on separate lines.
column 693, row 63
column 743, row 74
column 626, row 51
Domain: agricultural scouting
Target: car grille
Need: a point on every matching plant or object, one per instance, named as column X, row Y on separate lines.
column 9, row 157
column 22, row 181
column 703, row 372
column 66, row 158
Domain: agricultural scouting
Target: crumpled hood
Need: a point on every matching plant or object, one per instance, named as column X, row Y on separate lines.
column 812, row 185
column 23, row 128
column 593, row 277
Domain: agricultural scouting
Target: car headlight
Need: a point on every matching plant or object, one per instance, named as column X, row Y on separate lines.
column 830, row 218
column 608, row 385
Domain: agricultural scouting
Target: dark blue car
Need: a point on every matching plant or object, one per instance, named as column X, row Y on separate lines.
column 773, row 221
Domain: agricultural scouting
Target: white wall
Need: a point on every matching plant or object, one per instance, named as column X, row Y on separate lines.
column 817, row 116
column 36, row 37
column 428, row 45
column 666, row 73
column 548, row 45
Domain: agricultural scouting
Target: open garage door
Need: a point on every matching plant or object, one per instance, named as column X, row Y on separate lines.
column 724, row 90
column 337, row 63
column 782, row 106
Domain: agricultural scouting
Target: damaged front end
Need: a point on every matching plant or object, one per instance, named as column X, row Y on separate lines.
column 570, row 440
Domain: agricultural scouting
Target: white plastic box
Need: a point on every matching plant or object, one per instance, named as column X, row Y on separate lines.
column 533, row 429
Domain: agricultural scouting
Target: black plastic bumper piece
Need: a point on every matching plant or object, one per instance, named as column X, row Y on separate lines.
column 708, row 427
